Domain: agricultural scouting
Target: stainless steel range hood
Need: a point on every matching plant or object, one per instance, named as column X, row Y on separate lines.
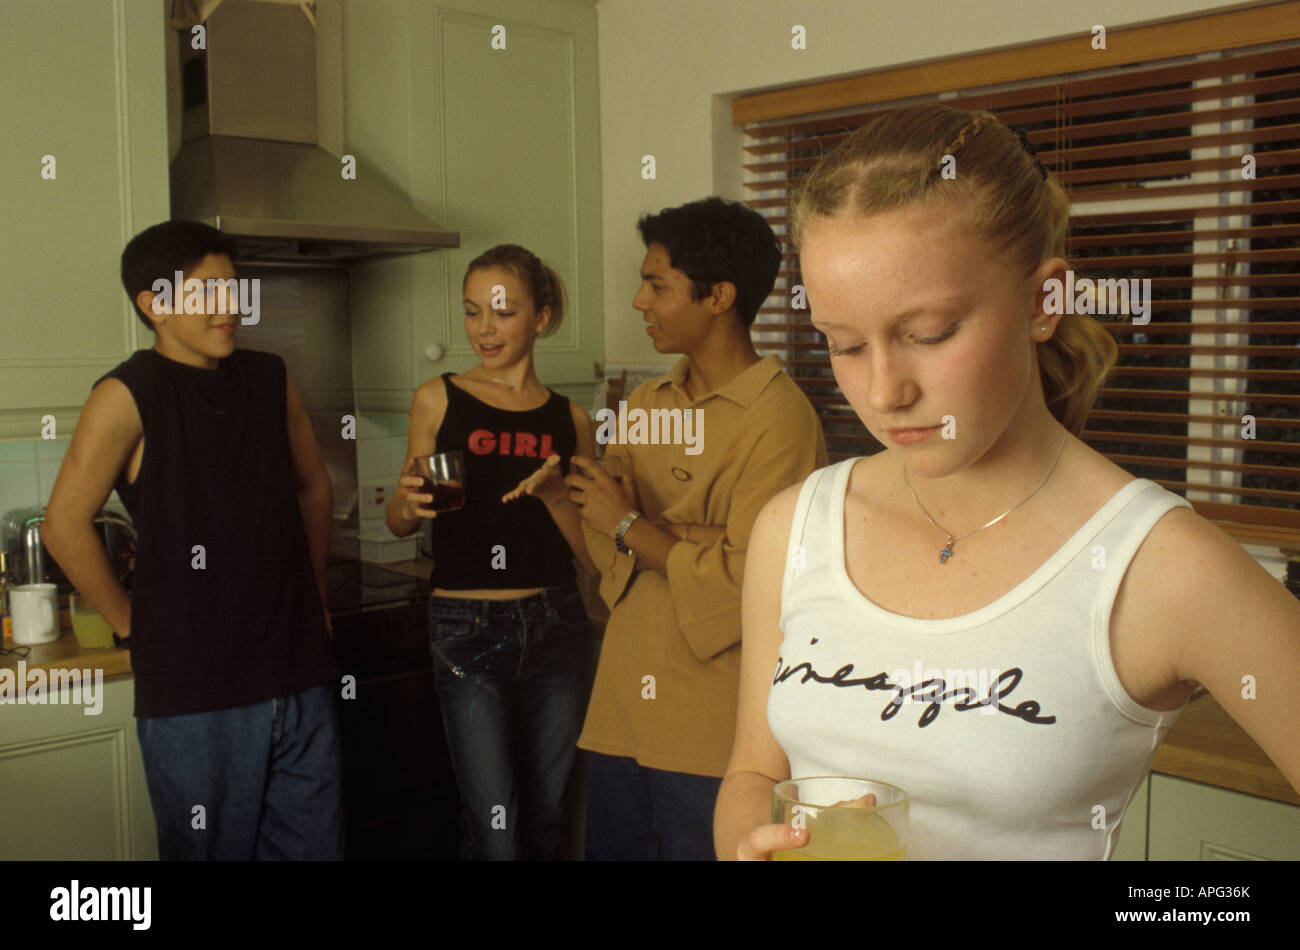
column 250, row 164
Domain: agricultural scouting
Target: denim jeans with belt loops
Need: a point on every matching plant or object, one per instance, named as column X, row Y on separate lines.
column 513, row 682
column 268, row 778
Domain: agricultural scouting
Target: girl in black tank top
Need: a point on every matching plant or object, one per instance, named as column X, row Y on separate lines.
column 507, row 627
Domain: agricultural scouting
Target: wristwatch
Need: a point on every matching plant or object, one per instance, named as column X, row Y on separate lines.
column 621, row 531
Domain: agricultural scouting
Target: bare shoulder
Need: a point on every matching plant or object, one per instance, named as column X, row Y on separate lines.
column 1182, row 555
column 428, row 409
column 1184, row 587
column 779, row 510
column 772, row 526
column 112, row 389
column 108, row 431
column 431, row 396
column 765, row 561
column 112, row 406
column 584, row 429
column 1186, row 563
column 580, row 417
column 432, row 388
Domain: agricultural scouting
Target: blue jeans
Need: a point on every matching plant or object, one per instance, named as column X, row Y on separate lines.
column 636, row 813
column 513, row 680
column 267, row 777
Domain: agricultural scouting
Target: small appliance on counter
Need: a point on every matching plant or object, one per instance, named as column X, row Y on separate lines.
column 31, row 563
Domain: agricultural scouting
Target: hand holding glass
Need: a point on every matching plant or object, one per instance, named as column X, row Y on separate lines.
column 847, row 819
column 442, row 477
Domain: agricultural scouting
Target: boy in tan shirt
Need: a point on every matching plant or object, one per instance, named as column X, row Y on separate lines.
column 662, row 712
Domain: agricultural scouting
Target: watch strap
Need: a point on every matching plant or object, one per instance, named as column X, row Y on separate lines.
column 621, row 531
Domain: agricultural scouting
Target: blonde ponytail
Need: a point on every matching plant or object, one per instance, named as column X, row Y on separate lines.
column 897, row 158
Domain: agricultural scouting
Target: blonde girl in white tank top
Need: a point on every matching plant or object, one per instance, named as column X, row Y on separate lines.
column 930, row 292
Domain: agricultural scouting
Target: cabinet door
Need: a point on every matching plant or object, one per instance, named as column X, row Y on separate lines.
column 1195, row 822
column 85, row 156
column 73, row 783
column 486, row 115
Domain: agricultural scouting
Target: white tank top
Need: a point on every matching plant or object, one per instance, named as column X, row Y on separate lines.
column 1042, row 772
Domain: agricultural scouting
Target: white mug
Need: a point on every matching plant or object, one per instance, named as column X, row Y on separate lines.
column 35, row 610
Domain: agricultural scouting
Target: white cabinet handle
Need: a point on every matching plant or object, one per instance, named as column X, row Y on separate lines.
column 434, row 352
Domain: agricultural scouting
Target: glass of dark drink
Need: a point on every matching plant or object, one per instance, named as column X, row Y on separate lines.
column 444, row 479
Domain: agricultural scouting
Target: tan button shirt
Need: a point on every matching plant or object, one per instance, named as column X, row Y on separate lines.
column 759, row 435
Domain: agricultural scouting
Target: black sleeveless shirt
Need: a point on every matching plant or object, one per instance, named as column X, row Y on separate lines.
column 240, row 621
column 488, row 545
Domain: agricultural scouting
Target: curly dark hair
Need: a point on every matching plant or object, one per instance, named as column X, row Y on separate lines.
column 714, row 241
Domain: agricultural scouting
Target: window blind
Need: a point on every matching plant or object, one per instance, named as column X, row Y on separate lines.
column 1185, row 171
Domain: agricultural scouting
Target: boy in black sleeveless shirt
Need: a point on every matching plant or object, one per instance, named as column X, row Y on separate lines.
column 213, row 455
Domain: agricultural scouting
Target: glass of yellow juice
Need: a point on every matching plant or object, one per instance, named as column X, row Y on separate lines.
column 91, row 630
column 847, row 819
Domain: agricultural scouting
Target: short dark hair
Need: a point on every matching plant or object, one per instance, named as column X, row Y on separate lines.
column 714, row 240
column 158, row 252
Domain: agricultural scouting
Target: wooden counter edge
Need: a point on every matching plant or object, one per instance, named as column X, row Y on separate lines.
column 1207, row 745
column 66, row 654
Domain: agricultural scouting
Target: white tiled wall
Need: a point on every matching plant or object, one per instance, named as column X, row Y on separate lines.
column 381, row 450
column 28, row 470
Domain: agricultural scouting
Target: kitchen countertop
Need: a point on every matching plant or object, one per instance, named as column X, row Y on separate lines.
column 1205, row 745
column 66, row 653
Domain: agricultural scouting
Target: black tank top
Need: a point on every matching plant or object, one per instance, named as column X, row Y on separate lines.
column 488, row 545
column 244, row 624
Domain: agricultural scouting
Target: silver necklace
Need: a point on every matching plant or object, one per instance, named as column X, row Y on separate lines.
column 500, row 383
column 946, row 552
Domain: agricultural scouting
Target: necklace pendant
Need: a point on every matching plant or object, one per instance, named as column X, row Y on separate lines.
column 945, row 553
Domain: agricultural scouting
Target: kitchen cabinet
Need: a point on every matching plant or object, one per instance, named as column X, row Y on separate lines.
column 72, row 784
column 500, row 144
column 85, row 81
column 1194, row 822
column 1172, row 819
